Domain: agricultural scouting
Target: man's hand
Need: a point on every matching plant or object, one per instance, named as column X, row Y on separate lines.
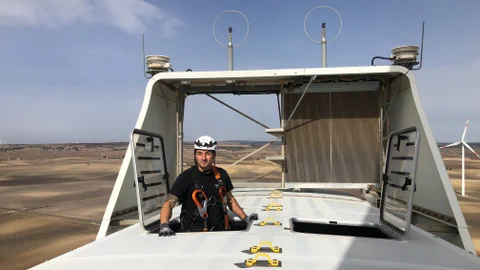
column 237, row 210
column 165, row 216
column 250, row 217
column 165, row 230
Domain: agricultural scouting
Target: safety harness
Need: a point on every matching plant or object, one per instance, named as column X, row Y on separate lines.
column 201, row 200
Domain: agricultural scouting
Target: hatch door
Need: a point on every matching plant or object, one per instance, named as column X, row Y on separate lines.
column 398, row 185
column 151, row 175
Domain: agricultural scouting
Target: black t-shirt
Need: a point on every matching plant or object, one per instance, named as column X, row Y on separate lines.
column 183, row 188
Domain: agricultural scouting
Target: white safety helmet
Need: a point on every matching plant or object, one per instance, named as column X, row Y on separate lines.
column 205, row 143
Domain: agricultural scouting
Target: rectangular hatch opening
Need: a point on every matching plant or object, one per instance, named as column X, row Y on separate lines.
column 235, row 225
column 333, row 228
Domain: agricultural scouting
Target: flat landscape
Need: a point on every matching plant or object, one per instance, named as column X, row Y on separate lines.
column 52, row 197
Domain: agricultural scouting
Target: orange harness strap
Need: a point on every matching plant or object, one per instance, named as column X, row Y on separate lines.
column 223, row 196
column 201, row 209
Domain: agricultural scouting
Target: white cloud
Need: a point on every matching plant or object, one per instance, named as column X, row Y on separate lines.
column 131, row 16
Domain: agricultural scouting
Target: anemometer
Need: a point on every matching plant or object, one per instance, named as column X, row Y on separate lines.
column 324, row 41
column 230, row 42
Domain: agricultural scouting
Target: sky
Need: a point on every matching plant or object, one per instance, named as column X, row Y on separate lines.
column 72, row 71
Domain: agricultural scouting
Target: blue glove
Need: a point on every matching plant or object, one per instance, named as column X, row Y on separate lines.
column 165, row 230
column 251, row 217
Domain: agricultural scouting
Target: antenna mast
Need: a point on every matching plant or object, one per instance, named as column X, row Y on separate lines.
column 324, row 37
column 230, row 49
column 324, row 47
column 230, row 45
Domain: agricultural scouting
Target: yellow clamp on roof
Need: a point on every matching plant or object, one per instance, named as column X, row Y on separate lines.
column 275, row 249
column 275, row 223
column 251, row 262
column 274, row 206
column 276, row 194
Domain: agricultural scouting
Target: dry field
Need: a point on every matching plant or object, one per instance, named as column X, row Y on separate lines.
column 470, row 204
column 52, row 197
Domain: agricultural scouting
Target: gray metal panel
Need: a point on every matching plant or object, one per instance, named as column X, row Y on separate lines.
column 307, row 149
column 157, row 115
column 350, row 131
column 434, row 190
column 150, row 172
column 399, row 182
column 355, row 137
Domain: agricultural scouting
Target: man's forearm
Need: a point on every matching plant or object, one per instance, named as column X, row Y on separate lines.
column 235, row 207
column 166, row 213
column 167, row 207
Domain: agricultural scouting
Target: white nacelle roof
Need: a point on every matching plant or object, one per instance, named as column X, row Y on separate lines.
column 135, row 248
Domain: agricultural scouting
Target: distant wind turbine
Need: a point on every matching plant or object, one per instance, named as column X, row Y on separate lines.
column 464, row 144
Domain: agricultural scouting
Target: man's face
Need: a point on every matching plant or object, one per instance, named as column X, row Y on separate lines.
column 204, row 159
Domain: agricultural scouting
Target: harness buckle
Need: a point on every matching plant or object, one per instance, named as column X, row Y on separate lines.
column 212, row 201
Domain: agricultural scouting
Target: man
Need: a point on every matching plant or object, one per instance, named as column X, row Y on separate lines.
column 202, row 185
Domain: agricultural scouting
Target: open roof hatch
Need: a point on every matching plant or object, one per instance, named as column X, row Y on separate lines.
column 399, row 181
column 151, row 175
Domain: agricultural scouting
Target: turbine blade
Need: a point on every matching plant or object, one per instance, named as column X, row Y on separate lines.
column 465, row 130
column 453, row 144
column 468, row 146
